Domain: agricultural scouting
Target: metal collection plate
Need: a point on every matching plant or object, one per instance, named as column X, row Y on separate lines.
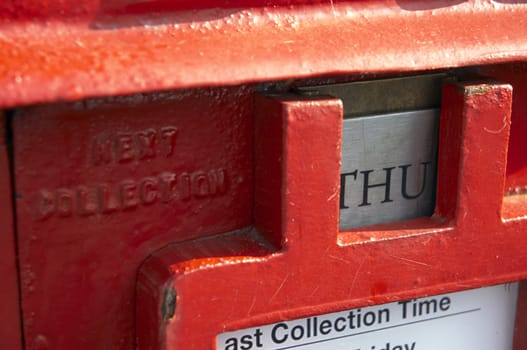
column 388, row 168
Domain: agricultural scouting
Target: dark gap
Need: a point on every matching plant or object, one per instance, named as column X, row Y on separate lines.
column 9, row 115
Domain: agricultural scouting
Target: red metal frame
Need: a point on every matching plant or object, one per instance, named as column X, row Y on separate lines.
column 466, row 244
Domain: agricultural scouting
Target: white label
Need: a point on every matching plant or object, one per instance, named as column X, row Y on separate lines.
column 479, row 319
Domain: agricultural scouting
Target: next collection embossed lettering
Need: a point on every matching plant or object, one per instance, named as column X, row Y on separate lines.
column 123, row 147
column 129, row 194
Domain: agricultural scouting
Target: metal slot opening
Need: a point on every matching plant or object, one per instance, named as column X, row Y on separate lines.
column 389, row 148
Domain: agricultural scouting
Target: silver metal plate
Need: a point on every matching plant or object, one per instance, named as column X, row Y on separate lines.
column 388, row 167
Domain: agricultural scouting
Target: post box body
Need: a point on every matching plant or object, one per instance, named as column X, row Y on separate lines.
column 164, row 182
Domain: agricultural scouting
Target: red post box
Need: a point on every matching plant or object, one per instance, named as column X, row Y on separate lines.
column 172, row 175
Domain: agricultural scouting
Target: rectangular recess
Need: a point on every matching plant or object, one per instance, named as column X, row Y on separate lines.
column 515, row 191
column 389, row 148
column 515, row 199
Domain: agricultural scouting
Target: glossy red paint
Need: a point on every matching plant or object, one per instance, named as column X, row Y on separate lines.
column 10, row 332
column 103, row 184
column 316, row 269
column 94, row 199
column 59, row 50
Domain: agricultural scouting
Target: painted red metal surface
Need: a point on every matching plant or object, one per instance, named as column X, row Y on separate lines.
column 316, row 269
column 10, row 331
column 104, row 183
column 55, row 50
